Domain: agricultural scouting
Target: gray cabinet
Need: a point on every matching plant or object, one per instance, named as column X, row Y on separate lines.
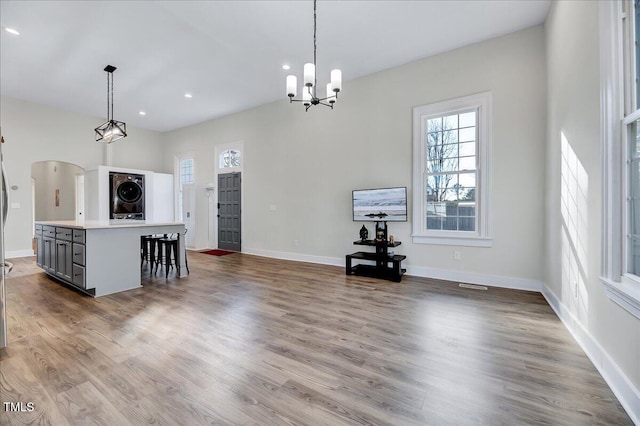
column 48, row 257
column 63, row 259
column 61, row 253
column 79, row 258
column 49, row 249
column 39, row 246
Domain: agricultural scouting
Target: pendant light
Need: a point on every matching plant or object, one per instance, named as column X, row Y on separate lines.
column 310, row 89
column 111, row 130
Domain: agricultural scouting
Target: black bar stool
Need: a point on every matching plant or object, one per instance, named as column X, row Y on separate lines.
column 148, row 244
column 168, row 255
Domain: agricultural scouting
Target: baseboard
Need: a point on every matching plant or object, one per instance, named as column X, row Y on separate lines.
column 18, row 253
column 475, row 278
column 323, row 260
column 416, row 271
column 624, row 390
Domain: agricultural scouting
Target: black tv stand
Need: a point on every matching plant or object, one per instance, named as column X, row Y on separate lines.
column 381, row 257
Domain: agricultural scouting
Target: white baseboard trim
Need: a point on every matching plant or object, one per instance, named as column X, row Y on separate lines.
column 19, row 253
column 417, row 271
column 475, row 278
column 323, row 260
column 624, row 390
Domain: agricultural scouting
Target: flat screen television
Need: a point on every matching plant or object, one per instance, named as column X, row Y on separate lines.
column 388, row 204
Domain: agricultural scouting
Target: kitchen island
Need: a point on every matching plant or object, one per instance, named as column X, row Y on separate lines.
column 99, row 257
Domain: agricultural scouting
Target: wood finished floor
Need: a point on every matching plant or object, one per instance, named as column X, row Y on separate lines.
column 256, row 341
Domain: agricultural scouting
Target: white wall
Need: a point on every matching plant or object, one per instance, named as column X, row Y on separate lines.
column 574, row 172
column 38, row 133
column 307, row 163
column 49, row 177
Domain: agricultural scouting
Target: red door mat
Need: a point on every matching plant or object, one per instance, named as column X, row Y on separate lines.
column 217, row 252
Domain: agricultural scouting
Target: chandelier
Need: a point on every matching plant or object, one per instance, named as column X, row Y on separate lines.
column 310, row 89
column 111, row 130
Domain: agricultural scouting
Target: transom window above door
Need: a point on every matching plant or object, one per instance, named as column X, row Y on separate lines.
column 229, row 159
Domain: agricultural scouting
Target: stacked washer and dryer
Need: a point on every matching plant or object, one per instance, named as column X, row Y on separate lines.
column 126, row 196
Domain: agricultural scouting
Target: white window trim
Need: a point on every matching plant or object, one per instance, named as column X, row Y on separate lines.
column 620, row 288
column 482, row 236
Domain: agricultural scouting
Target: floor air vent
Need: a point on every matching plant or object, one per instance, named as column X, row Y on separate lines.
column 472, row 286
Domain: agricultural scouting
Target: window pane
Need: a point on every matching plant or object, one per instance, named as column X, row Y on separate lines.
column 468, row 119
column 633, row 197
column 438, row 185
column 467, row 209
column 434, row 139
column 467, row 149
column 450, row 122
column 450, row 136
column 636, row 6
column 468, row 134
column 186, row 171
column 467, row 163
column 450, row 224
column 443, row 165
column 434, row 223
column 467, row 224
column 467, row 194
column 468, row 180
column 434, row 124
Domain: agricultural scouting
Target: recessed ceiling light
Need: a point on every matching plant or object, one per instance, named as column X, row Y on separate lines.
column 142, row 113
column 286, row 67
column 11, row 31
column 188, row 95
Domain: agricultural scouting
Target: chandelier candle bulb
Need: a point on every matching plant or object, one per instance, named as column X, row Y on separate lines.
column 292, row 86
column 336, row 80
column 306, row 96
column 331, row 96
column 309, row 74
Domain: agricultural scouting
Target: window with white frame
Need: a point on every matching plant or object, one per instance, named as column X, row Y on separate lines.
column 620, row 134
column 620, row 118
column 185, row 173
column 451, row 146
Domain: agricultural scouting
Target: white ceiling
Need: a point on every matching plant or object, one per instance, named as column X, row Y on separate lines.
column 228, row 54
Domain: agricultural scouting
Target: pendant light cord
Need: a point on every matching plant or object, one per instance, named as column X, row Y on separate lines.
column 108, row 100
column 111, row 75
column 315, row 65
column 109, row 96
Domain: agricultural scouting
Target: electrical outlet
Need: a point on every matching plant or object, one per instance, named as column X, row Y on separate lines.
column 457, row 255
column 296, row 243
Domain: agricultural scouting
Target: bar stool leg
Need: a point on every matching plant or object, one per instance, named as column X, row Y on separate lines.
column 144, row 250
column 167, row 259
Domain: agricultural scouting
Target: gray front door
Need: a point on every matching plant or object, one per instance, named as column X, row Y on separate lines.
column 229, row 211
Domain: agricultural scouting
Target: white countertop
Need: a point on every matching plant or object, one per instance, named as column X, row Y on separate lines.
column 96, row 224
